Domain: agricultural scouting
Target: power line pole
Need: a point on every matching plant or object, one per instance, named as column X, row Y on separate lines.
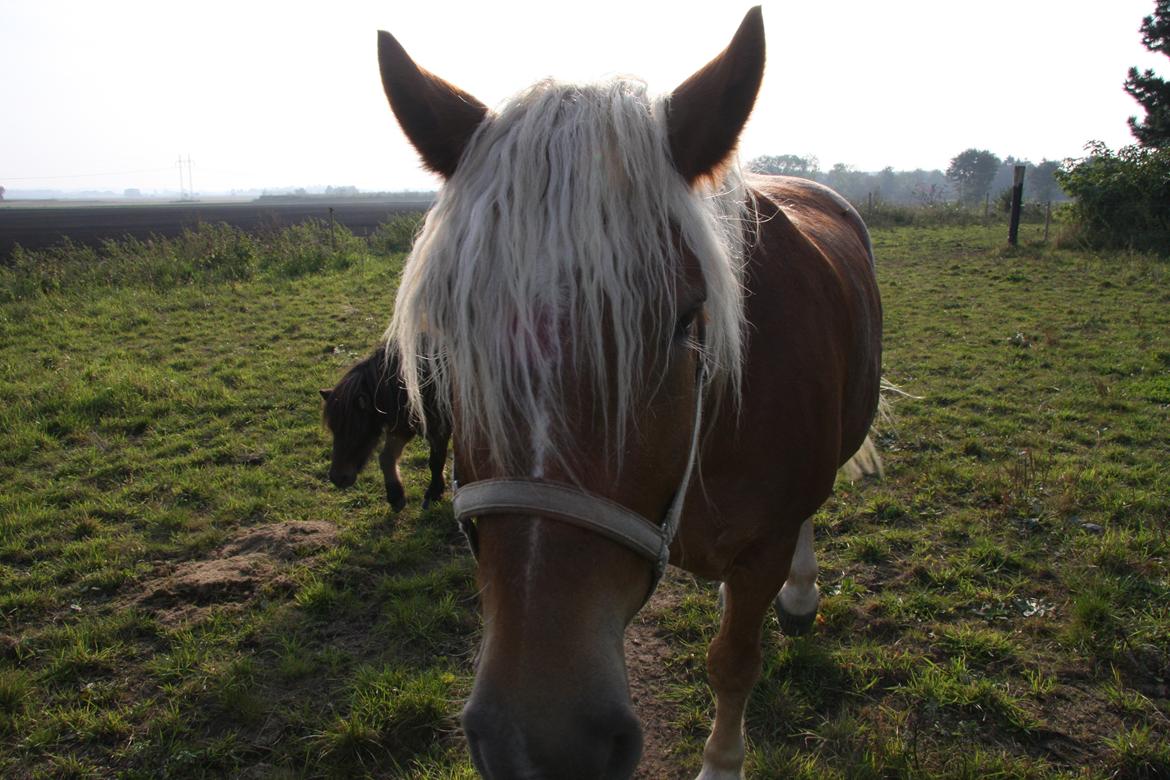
column 182, row 192
column 190, row 185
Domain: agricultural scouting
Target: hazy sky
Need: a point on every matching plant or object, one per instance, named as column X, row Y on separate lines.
column 106, row 95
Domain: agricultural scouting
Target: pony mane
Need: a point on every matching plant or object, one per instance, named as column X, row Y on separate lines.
column 369, row 377
column 555, row 247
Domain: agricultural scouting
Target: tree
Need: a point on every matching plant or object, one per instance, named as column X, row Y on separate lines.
column 2, row 191
column 785, row 165
column 972, row 172
column 1152, row 92
column 1042, row 185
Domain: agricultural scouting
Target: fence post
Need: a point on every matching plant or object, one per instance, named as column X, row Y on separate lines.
column 1047, row 220
column 332, row 239
column 1017, row 202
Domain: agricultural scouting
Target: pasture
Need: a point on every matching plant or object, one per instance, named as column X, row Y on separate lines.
column 183, row 594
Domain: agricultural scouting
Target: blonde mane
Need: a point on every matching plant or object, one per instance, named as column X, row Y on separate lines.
column 555, row 245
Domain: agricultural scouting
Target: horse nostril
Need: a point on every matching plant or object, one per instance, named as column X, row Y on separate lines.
column 626, row 747
column 474, row 721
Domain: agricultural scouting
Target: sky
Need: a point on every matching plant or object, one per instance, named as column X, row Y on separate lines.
column 262, row 94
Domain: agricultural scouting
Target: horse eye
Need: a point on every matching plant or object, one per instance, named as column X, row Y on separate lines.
column 686, row 322
column 363, row 403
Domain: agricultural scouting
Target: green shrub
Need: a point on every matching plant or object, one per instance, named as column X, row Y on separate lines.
column 1122, row 197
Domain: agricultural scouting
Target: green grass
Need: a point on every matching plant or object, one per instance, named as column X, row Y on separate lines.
column 998, row 607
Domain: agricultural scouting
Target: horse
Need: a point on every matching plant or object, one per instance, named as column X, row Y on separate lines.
column 368, row 401
column 648, row 357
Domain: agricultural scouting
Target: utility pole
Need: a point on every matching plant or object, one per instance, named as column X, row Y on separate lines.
column 182, row 191
column 190, row 186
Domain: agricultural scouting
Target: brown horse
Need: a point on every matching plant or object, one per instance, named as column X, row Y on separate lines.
column 608, row 306
column 368, row 401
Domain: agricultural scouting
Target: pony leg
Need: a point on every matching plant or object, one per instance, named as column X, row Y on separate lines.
column 796, row 606
column 734, row 662
column 388, row 460
column 436, row 461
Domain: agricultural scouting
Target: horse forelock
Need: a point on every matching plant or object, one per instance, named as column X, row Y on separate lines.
column 555, row 246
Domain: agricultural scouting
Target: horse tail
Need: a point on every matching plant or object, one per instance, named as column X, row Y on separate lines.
column 867, row 461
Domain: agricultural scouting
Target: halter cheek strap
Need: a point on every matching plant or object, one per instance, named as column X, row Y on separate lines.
column 581, row 508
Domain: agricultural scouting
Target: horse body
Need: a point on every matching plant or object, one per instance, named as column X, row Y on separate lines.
column 810, row 389
column 368, row 401
column 608, row 302
column 811, row 378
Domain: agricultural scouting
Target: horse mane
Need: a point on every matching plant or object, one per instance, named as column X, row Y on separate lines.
column 554, row 246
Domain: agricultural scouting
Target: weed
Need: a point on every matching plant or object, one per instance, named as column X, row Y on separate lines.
column 1138, row 754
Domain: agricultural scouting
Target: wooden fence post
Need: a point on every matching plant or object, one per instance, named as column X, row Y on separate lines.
column 1017, row 202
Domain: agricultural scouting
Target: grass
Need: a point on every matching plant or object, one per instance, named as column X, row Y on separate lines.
column 998, row 606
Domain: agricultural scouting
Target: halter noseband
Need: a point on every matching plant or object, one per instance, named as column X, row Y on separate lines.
column 568, row 504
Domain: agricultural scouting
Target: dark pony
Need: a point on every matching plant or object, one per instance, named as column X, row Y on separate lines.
column 368, row 400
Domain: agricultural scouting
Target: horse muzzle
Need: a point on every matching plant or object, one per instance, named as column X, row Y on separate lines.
column 342, row 479
column 552, row 741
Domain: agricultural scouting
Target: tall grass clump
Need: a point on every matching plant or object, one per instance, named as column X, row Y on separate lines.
column 311, row 247
column 882, row 214
column 396, row 234
column 205, row 254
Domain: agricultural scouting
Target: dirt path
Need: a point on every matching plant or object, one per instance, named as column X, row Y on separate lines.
column 646, row 656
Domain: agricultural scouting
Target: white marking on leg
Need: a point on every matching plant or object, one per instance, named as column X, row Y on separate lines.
column 800, row 594
column 712, row 772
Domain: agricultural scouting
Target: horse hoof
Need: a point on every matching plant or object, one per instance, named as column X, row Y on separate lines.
column 426, row 504
column 397, row 503
column 795, row 625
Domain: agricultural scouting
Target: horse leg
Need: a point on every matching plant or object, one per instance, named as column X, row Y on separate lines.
column 796, row 606
column 734, row 659
column 388, row 460
column 436, row 461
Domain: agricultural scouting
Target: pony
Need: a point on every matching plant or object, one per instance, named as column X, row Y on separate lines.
column 369, row 400
column 648, row 357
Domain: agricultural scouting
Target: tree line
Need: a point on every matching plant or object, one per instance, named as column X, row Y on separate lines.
column 973, row 176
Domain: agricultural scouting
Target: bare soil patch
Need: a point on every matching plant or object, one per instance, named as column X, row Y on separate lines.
column 234, row 572
column 647, row 653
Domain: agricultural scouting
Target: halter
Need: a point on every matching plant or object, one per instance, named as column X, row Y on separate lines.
column 568, row 504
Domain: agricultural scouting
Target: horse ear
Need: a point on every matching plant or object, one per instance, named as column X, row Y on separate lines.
column 707, row 111
column 437, row 117
column 325, row 393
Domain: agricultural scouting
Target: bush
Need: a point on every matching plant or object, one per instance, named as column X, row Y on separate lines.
column 1122, row 198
